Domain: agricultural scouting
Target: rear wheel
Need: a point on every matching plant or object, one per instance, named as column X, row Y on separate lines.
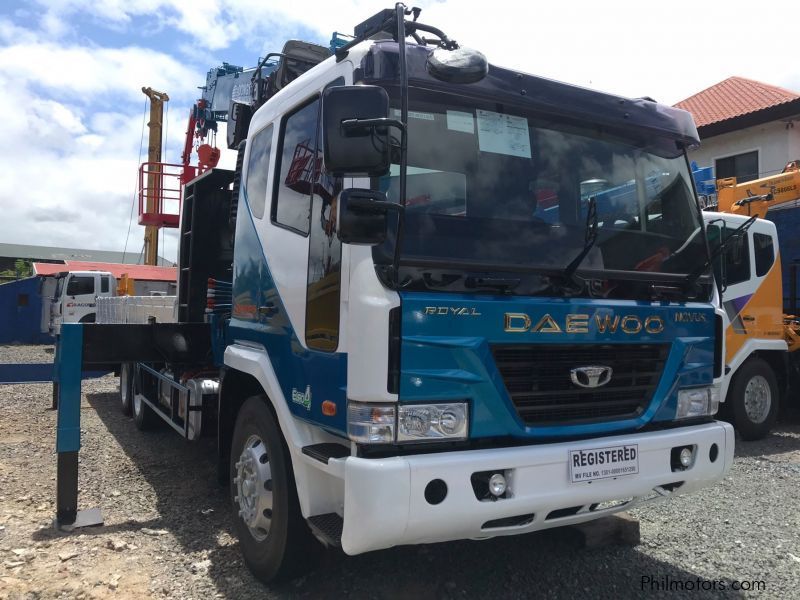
column 144, row 416
column 126, row 388
column 754, row 399
column 275, row 539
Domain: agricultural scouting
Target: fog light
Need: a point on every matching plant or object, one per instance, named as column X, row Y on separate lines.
column 682, row 458
column 497, row 484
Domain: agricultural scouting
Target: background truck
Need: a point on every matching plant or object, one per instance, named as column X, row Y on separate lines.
column 758, row 272
column 79, row 295
column 75, row 297
column 411, row 314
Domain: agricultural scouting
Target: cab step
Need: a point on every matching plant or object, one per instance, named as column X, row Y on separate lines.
column 324, row 452
column 327, row 527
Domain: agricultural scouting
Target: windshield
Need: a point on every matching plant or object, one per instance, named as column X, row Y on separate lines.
column 491, row 185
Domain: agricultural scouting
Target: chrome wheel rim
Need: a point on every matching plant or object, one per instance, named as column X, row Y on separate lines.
column 253, row 481
column 757, row 399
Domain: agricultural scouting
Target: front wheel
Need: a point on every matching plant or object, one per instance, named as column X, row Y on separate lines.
column 754, row 399
column 275, row 539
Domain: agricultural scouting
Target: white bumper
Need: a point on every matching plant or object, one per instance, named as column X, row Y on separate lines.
column 385, row 501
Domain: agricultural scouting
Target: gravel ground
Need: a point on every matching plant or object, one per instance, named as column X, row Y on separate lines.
column 167, row 526
column 18, row 353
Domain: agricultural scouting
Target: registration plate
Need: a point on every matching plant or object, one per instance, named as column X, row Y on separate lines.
column 603, row 463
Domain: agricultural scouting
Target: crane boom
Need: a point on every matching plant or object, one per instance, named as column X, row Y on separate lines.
column 154, row 185
column 755, row 198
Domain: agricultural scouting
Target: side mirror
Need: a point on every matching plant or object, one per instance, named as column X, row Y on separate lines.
column 351, row 147
column 364, row 216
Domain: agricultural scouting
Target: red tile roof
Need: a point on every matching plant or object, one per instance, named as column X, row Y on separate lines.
column 734, row 97
column 140, row 272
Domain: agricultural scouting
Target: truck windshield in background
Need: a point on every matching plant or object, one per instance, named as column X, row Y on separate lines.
column 493, row 187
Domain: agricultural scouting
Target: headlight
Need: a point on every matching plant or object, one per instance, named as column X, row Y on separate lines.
column 697, row 402
column 371, row 423
column 421, row 422
column 389, row 423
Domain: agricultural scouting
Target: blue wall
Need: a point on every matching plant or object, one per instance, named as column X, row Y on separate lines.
column 21, row 313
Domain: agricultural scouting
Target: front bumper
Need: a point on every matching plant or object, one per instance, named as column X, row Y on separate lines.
column 385, row 501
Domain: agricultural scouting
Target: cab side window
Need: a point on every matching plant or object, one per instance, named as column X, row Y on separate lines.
column 296, row 169
column 104, row 285
column 737, row 259
column 80, row 284
column 255, row 187
column 764, row 253
column 324, row 261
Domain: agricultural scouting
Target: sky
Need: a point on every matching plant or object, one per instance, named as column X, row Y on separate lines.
column 72, row 72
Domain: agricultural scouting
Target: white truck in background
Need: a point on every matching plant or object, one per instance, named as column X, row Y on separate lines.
column 75, row 297
column 91, row 296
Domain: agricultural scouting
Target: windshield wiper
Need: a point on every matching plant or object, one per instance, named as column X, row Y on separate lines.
column 692, row 277
column 588, row 244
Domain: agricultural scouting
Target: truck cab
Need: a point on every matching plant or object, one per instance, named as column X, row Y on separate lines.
column 757, row 366
column 465, row 384
column 75, row 297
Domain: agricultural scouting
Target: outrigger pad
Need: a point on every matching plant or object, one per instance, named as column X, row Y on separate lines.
column 91, row 517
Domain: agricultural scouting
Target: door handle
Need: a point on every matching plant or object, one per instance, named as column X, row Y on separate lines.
column 748, row 318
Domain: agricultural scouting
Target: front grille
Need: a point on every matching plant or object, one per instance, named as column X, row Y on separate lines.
column 537, row 378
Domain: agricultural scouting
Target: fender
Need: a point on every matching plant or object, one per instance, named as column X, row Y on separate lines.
column 320, row 487
column 748, row 348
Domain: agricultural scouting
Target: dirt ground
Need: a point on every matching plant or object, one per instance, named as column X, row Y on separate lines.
column 167, row 527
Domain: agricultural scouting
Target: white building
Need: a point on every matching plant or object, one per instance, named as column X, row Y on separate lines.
column 748, row 129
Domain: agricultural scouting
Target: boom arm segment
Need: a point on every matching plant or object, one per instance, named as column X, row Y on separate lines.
column 755, row 198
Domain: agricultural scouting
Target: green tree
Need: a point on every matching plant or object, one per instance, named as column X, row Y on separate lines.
column 24, row 268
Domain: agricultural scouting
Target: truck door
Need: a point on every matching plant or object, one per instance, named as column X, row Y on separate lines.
column 79, row 298
column 293, row 299
column 751, row 304
column 764, row 311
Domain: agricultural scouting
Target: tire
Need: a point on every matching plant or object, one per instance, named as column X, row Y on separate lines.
column 143, row 416
column 126, row 388
column 754, row 399
column 276, row 542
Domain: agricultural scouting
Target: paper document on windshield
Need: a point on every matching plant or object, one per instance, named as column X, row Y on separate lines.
column 503, row 134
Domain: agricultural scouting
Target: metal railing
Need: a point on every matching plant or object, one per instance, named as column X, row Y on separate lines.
column 160, row 194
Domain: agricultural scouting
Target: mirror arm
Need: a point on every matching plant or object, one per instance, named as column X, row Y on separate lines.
column 443, row 40
column 366, row 204
column 351, row 124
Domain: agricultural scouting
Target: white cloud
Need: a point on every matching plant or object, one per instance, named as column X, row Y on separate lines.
column 72, row 173
column 94, row 74
column 628, row 47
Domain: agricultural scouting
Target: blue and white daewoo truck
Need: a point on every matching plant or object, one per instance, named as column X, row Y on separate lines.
column 450, row 300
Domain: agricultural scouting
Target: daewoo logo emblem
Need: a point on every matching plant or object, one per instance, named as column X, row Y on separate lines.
column 591, row 377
